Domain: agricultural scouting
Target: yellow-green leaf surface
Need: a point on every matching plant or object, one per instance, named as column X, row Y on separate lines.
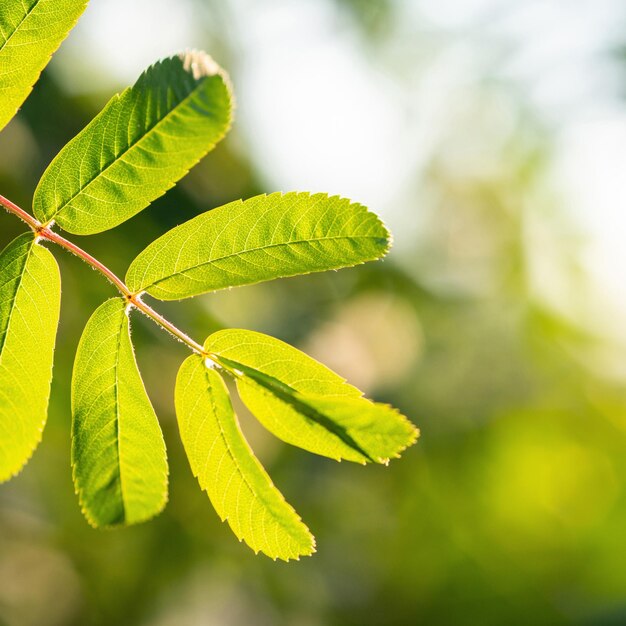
column 30, row 31
column 142, row 142
column 258, row 239
column 226, row 468
column 307, row 405
column 118, row 453
column 30, row 295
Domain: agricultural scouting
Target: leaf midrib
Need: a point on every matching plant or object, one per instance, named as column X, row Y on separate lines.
column 126, row 150
column 257, row 249
column 117, row 416
column 26, row 16
column 17, row 288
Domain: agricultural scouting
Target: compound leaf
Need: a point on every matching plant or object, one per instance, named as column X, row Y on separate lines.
column 258, row 239
column 138, row 146
column 30, row 296
column 118, row 453
column 307, row 405
column 226, row 468
column 30, row 31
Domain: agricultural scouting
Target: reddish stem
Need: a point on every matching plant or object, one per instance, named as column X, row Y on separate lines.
column 44, row 232
column 25, row 217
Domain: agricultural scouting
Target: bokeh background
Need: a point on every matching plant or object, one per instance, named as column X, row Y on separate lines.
column 491, row 137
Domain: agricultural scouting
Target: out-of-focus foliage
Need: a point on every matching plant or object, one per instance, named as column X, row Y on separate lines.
column 511, row 511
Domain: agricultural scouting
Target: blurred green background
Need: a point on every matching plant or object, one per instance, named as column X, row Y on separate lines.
column 491, row 137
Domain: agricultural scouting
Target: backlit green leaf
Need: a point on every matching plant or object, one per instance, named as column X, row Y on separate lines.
column 118, row 453
column 226, row 468
column 307, row 405
column 30, row 295
column 258, row 239
column 30, row 31
column 142, row 142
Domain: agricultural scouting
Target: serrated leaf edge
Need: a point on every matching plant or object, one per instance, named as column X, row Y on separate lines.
column 83, row 507
column 279, row 195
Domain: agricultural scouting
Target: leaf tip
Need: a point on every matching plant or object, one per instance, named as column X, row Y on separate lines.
column 199, row 64
column 413, row 434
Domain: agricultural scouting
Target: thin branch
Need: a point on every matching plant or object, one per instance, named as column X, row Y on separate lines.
column 167, row 325
column 25, row 217
column 44, row 232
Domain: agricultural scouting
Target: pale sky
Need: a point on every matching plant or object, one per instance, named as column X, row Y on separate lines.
column 321, row 115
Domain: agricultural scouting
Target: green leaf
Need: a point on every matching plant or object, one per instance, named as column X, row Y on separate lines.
column 142, row 142
column 307, row 405
column 30, row 31
column 30, row 296
column 258, row 239
column 118, row 453
column 226, row 468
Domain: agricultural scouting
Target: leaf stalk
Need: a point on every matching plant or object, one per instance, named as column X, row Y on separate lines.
column 43, row 231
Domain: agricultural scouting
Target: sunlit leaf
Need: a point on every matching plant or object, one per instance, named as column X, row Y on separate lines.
column 30, row 31
column 226, row 468
column 118, row 453
column 258, row 239
column 142, row 142
column 30, row 294
column 307, row 405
